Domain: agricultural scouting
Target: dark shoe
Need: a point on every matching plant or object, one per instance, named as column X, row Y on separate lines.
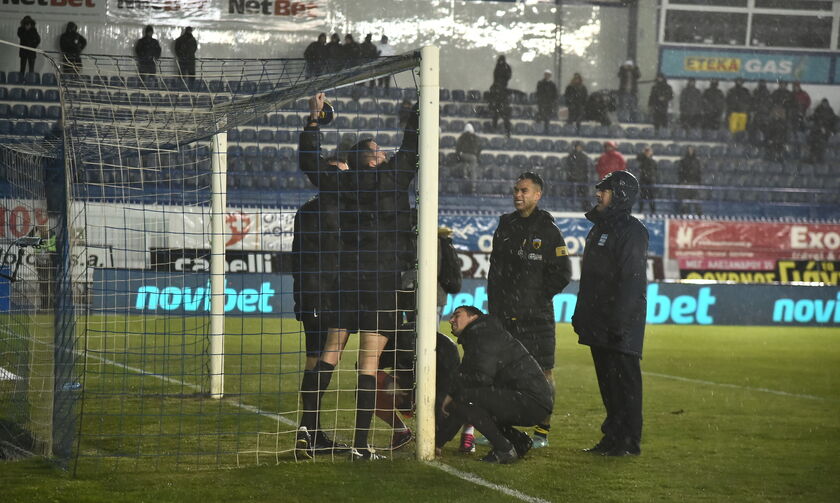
column 618, row 452
column 401, row 438
column 365, row 454
column 519, row 439
column 501, row 457
column 303, row 444
column 600, row 448
column 324, row 444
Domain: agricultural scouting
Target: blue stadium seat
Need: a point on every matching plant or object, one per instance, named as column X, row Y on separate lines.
column 444, row 94
column 219, row 99
column 233, row 136
column 19, row 111
column 503, row 160
column 247, row 135
column 51, row 95
column 4, row 94
column 458, row 95
column 561, row 146
column 34, row 95
column 251, row 152
column 2, row 77
column 283, row 136
column 447, row 141
column 234, row 151
column 5, row 127
column 17, row 94
column 545, row 145
column 22, row 128
column 342, row 122
column 277, row 120
column 265, row 136
column 37, row 112
column 359, row 123
column 269, row 152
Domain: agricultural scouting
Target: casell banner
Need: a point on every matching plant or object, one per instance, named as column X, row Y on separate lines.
column 748, row 246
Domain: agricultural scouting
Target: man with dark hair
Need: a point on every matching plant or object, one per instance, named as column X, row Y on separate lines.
column 691, row 106
column 498, row 385
column 714, row 103
column 185, row 48
column 147, row 49
column 529, row 265
column 372, row 205
column 28, row 36
column 610, row 312
column 577, row 167
column 72, row 43
column 660, row 97
column 547, row 96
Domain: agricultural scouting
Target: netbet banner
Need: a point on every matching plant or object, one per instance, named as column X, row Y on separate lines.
column 692, row 304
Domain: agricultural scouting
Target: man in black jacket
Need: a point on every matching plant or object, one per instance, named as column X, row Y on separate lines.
column 497, row 386
column 185, row 48
column 147, row 50
column 611, row 308
column 529, row 265
column 369, row 203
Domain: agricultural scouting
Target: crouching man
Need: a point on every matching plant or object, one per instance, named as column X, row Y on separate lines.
column 498, row 385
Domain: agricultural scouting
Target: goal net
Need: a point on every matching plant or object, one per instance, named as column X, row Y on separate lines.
column 181, row 201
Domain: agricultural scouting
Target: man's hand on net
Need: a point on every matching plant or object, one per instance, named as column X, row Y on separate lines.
column 316, row 104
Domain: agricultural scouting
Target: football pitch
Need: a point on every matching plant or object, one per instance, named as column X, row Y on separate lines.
column 731, row 414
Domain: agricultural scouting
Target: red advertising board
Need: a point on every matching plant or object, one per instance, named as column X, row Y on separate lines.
column 749, row 246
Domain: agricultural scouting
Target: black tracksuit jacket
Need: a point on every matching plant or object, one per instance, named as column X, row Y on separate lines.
column 529, row 265
column 611, row 305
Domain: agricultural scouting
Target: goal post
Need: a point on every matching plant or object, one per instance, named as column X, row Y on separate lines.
column 427, row 253
column 218, row 198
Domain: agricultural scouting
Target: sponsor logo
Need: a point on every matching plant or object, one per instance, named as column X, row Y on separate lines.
column 695, row 236
column 536, row 243
column 731, row 276
column 704, row 64
column 20, row 220
column 162, row 5
column 193, row 260
column 810, row 271
column 53, row 3
column 239, row 225
column 248, row 300
column 807, row 310
column 272, row 7
column 803, row 237
column 712, row 64
column 603, row 239
column 561, row 251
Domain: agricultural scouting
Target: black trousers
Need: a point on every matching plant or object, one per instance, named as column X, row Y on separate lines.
column 620, row 382
column 490, row 410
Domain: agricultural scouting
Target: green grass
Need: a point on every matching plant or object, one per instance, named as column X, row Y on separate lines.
column 711, row 435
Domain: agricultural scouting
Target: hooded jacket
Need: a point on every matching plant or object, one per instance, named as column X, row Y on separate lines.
column 608, row 162
column 529, row 265
column 611, row 305
column 493, row 358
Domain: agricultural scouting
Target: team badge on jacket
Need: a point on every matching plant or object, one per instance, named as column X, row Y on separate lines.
column 603, row 240
column 536, row 243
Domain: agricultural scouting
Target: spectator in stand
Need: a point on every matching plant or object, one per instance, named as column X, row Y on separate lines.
column 801, row 104
column 661, row 95
column 575, row 96
column 628, row 91
column 147, row 50
column 72, row 44
column 335, row 53
column 689, row 172
column 468, row 149
column 351, row 52
column 498, row 100
column 823, row 125
column 776, row 134
column 611, row 160
column 315, row 56
column 691, row 106
column 782, row 98
column 502, row 73
column 577, row 167
column 185, row 48
column 28, row 37
column 368, row 49
column 714, row 103
column 759, row 112
column 647, row 179
column 737, row 106
column 385, row 50
column 546, row 100
column 599, row 105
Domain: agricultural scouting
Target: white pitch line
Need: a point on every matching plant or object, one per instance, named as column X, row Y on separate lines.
column 466, row 476
column 738, row 386
column 475, row 479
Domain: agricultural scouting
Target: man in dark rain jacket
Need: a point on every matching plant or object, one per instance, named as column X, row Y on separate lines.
column 611, row 309
column 497, row 386
column 529, row 265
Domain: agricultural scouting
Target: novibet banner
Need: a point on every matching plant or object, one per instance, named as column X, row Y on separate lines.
column 131, row 291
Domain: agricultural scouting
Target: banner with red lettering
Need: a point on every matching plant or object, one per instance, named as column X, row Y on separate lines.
column 711, row 245
column 288, row 15
column 56, row 9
